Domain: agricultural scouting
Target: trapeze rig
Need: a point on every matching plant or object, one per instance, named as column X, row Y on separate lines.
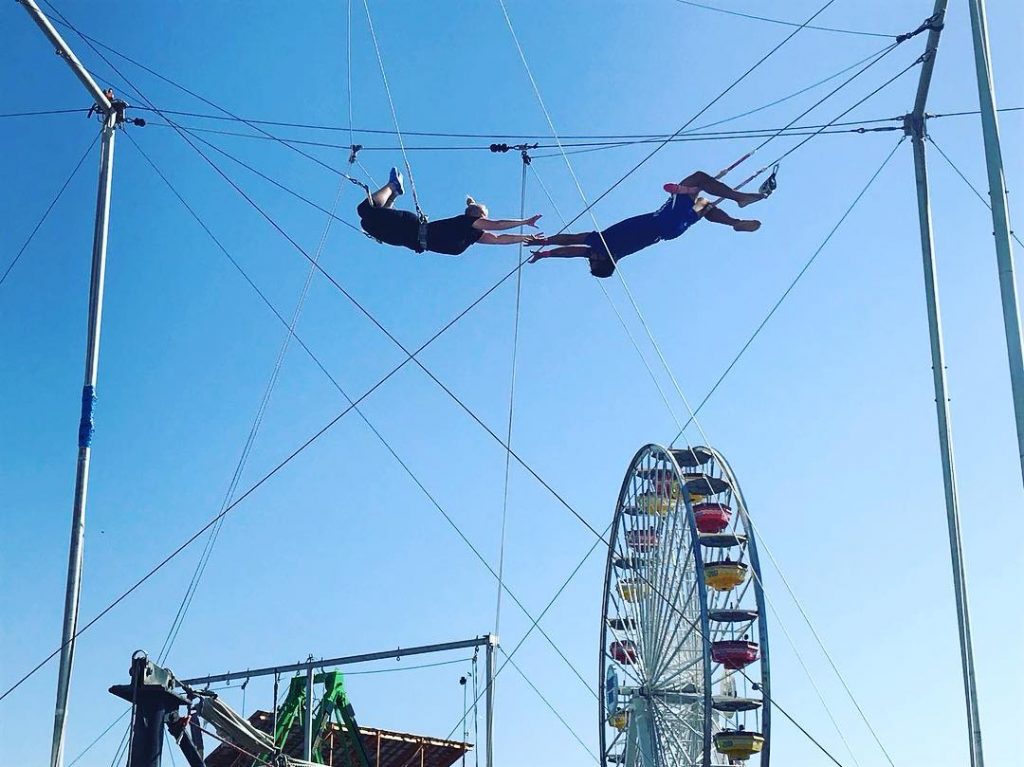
column 305, row 729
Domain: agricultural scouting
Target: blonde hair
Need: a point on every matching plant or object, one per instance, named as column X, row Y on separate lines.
column 475, row 209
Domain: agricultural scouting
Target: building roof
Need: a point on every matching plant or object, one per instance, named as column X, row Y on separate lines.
column 386, row 748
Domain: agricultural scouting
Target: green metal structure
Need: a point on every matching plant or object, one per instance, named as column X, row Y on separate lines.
column 334, row 706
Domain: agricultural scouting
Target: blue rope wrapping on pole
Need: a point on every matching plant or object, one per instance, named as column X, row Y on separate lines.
column 87, row 423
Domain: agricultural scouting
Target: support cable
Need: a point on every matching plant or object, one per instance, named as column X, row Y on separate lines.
column 280, row 465
column 618, row 314
column 640, row 316
column 786, row 292
column 96, row 44
column 394, row 113
column 963, row 178
column 643, row 161
column 716, row 9
column 554, row 710
column 46, row 213
column 250, row 442
column 353, row 405
column 42, row 112
column 511, row 397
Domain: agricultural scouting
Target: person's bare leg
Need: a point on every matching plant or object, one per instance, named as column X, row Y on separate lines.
column 567, row 239
column 382, row 197
column 719, row 216
column 570, row 251
column 705, row 183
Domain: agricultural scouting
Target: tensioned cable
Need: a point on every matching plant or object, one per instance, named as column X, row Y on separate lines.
column 204, row 559
column 99, row 737
column 618, row 314
column 683, row 138
column 963, row 178
column 743, row 349
column 293, row 455
column 41, row 112
column 540, row 617
column 273, row 181
column 579, row 187
column 754, row 17
column 643, row 321
column 685, row 125
column 511, row 398
column 784, row 295
column 359, row 412
column 553, row 710
column 394, row 112
column 95, row 44
column 589, row 205
column 46, row 213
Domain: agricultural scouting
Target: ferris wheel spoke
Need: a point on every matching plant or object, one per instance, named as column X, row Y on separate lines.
column 682, row 622
column 685, row 748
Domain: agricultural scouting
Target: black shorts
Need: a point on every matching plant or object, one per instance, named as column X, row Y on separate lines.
column 390, row 226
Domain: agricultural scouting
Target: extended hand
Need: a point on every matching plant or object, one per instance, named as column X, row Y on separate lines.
column 533, row 239
column 532, row 220
column 537, row 256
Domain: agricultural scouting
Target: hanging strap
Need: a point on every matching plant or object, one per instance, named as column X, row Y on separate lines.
column 770, row 184
column 421, row 237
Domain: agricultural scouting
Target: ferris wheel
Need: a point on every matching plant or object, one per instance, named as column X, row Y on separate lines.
column 684, row 645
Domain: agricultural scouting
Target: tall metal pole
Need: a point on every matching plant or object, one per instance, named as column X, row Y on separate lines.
column 946, row 447
column 915, row 128
column 85, row 427
column 492, row 644
column 1000, row 214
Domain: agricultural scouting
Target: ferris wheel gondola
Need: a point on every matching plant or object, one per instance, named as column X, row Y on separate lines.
column 684, row 645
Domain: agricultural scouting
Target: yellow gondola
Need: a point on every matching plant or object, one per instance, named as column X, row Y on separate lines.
column 738, row 744
column 619, row 719
column 630, row 590
column 723, row 576
column 654, row 503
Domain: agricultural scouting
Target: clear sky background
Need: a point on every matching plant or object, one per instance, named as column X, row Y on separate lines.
column 828, row 419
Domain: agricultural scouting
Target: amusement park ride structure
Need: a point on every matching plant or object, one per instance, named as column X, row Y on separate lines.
column 644, row 738
column 158, row 699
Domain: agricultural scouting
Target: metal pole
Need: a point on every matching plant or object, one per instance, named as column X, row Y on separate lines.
column 492, row 644
column 1000, row 215
column 345, row 660
column 915, row 127
column 307, row 719
column 85, row 427
column 946, row 443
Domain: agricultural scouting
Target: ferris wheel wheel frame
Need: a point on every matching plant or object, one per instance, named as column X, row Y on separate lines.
column 695, row 555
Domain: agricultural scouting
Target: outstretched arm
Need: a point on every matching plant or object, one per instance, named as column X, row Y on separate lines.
column 569, row 251
column 498, row 225
column 510, row 239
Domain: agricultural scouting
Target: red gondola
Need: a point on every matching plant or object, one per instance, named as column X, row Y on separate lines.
column 623, row 652
column 734, row 653
column 712, row 517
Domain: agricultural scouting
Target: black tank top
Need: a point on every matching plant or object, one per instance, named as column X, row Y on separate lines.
column 452, row 236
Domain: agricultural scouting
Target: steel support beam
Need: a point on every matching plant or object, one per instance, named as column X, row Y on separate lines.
column 345, row 660
column 1000, row 216
column 85, row 427
column 916, row 128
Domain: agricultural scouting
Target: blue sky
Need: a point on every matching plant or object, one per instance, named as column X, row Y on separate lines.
column 828, row 419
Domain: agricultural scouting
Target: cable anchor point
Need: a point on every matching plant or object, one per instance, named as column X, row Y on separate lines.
column 352, row 157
